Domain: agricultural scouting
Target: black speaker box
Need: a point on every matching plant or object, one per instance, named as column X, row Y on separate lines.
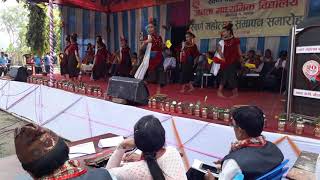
column 130, row 89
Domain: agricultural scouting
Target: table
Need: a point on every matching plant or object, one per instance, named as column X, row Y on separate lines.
column 95, row 141
column 306, row 167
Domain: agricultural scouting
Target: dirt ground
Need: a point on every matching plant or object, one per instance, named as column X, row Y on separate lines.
column 7, row 125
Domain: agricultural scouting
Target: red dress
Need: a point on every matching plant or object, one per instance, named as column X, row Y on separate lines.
column 99, row 69
column 156, row 57
column 125, row 65
column 189, row 54
column 73, row 69
column 231, row 52
column 64, row 62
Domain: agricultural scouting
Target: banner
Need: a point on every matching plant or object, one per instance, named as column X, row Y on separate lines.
column 251, row 18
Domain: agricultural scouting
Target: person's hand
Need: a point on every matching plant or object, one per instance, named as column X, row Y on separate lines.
column 209, row 176
column 129, row 157
column 218, row 164
column 148, row 41
column 127, row 144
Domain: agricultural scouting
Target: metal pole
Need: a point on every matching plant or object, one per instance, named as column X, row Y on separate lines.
column 291, row 65
column 51, row 40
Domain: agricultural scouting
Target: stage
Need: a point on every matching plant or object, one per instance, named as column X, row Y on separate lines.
column 270, row 102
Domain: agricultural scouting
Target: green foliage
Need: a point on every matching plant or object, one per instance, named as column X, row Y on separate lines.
column 38, row 29
column 35, row 35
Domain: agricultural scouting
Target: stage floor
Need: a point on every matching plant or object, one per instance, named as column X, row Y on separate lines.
column 271, row 103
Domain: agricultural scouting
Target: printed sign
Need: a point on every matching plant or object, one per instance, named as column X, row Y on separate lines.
column 251, row 18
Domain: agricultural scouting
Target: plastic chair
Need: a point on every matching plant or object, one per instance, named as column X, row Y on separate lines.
column 276, row 173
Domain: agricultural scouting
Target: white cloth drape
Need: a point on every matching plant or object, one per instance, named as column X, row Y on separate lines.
column 215, row 66
column 142, row 70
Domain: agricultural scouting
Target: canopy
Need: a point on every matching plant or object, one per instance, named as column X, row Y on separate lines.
column 109, row 6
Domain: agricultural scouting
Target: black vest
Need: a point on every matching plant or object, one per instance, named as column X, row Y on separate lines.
column 95, row 174
column 256, row 161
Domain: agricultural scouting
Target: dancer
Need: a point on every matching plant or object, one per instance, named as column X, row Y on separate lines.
column 155, row 72
column 99, row 69
column 64, row 58
column 189, row 56
column 125, row 59
column 73, row 58
column 230, row 53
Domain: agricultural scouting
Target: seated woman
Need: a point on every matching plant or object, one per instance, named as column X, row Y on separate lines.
column 135, row 63
column 88, row 59
column 157, row 162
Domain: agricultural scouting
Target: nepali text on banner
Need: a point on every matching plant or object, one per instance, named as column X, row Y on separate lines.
column 251, row 18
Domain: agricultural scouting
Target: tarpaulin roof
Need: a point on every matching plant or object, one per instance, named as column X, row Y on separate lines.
column 109, row 6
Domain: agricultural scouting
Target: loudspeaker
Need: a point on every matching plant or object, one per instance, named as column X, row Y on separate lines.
column 18, row 73
column 130, row 89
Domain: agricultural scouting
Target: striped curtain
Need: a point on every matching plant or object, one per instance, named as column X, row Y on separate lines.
column 87, row 24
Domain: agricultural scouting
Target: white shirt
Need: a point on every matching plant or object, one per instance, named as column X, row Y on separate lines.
column 283, row 65
column 170, row 163
column 169, row 62
column 230, row 169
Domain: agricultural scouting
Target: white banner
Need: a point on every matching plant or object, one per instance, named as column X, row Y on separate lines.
column 308, row 49
column 306, row 93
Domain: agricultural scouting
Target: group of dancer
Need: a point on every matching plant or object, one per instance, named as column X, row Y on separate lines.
column 228, row 51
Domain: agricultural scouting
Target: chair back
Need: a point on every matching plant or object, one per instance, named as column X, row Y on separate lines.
column 276, row 173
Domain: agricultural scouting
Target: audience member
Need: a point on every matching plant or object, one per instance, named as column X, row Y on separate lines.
column 37, row 64
column 202, row 67
column 135, row 64
column 8, row 60
column 157, row 162
column 252, row 155
column 268, row 62
column 170, row 62
column 46, row 61
column 3, row 64
column 88, row 58
column 45, row 156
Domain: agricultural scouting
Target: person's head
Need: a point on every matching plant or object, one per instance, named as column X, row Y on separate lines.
column 227, row 31
column 149, row 137
column 209, row 54
column 248, row 122
column 151, row 27
column 6, row 55
column 99, row 39
column 134, row 55
column 168, row 52
column 74, row 38
column 284, row 55
column 190, row 36
column 267, row 53
column 2, row 54
column 123, row 42
column 68, row 39
column 251, row 54
column 39, row 150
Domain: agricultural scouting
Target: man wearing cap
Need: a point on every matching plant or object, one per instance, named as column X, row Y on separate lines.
column 251, row 155
column 45, row 156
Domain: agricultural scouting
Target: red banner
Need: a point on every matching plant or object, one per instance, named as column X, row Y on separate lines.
column 113, row 5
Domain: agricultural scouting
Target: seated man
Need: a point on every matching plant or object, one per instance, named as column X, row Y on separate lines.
column 44, row 155
column 251, row 155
